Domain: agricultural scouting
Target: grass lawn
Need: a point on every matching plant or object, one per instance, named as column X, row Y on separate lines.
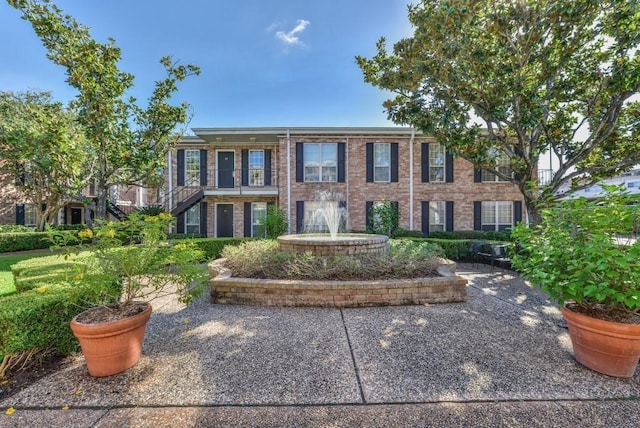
column 6, row 277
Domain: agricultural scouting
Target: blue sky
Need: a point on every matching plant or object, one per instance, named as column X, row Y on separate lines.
column 264, row 62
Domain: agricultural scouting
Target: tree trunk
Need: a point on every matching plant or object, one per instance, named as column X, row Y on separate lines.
column 533, row 211
column 101, row 208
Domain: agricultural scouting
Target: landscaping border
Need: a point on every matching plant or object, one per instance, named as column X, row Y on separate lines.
column 446, row 288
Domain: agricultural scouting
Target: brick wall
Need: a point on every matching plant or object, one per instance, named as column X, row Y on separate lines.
column 462, row 191
column 9, row 197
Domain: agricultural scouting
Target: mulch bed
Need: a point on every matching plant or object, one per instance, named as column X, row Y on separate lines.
column 36, row 370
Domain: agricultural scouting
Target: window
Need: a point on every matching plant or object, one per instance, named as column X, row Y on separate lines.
column 114, row 193
column 142, row 197
column 382, row 162
column 632, row 184
column 436, row 162
column 192, row 219
column 29, row 215
column 258, row 215
column 497, row 215
column 503, row 165
column 437, row 216
column 256, row 167
column 320, row 162
column 192, row 167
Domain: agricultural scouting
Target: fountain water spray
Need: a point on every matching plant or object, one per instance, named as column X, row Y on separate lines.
column 329, row 215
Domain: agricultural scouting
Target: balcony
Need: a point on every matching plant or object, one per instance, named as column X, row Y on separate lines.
column 544, row 177
column 233, row 182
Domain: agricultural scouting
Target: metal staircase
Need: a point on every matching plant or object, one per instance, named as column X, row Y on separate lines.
column 183, row 206
column 115, row 211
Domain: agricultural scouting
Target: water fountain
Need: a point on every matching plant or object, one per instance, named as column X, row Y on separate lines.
column 332, row 216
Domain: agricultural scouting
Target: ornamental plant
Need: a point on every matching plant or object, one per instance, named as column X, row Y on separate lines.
column 584, row 251
column 136, row 254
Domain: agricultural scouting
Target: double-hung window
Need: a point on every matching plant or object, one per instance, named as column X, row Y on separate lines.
column 503, row 165
column 258, row 216
column 382, row 162
column 436, row 162
column 320, row 162
column 497, row 215
column 256, row 167
column 192, row 167
column 437, row 216
column 192, row 219
column 29, row 215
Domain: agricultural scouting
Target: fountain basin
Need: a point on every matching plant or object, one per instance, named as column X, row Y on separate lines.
column 446, row 288
column 321, row 244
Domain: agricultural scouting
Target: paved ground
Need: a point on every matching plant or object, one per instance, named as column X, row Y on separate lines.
column 503, row 358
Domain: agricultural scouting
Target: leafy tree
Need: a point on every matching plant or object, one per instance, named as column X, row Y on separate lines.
column 44, row 148
column 523, row 78
column 129, row 142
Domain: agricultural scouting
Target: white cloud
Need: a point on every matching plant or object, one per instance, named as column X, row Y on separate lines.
column 291, row 38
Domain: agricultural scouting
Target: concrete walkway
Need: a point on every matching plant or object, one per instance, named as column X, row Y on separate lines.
column 503, row 358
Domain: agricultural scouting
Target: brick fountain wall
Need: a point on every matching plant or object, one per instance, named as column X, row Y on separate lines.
column 338, row 294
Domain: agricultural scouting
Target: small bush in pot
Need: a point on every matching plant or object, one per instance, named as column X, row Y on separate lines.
column 134, row 253
column 584, row 255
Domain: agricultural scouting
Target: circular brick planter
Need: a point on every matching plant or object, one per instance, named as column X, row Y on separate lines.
column 321, row 244
column 226, row 289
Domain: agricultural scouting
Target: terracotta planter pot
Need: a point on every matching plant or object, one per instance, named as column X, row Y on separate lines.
column 112, row 347
column 607, row 347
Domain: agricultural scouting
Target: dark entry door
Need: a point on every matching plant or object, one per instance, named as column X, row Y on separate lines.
column 225, row 170
column 76, row 215
column 224, row 220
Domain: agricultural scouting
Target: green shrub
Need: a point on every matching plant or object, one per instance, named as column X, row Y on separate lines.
column 473, row 234
column 39, row 317
column 10, row 242
column 179, row 236
column 59, row 227
column 212, row 247
column 451, row 247
column 275, row 222
column 403, row 233
column 151, row 210
column 262, row 259
column 576, row 253
column 15, row 228
column 37, row 272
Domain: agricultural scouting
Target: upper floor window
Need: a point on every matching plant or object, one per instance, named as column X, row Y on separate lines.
column 497, row 215
column 192, row 167
column 503, row 165
column 320, row 162
column 437, row 155
column 256, row 167
column 192, row 219
column 437, row 216
column 382, row 162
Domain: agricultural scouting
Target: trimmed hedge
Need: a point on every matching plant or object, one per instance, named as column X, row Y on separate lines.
column 212, row 247
column 452, row 247
column 33, row 273
column 16, row 228
column 39, row 317
column 473, row 234
column 10, row 242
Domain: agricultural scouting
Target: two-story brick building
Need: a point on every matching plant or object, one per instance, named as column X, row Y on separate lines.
column 220, row 181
